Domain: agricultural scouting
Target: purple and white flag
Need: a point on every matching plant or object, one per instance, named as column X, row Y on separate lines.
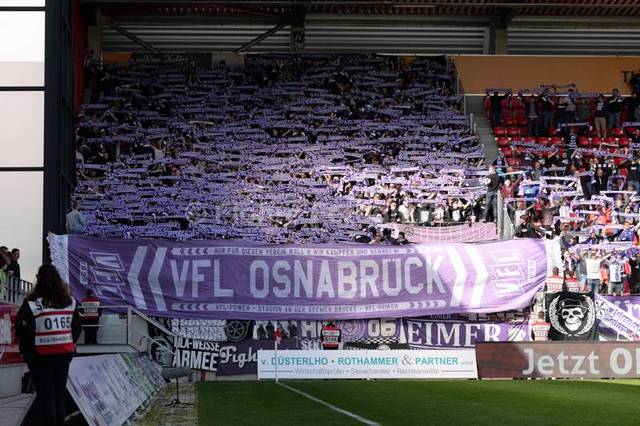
column 240, row 280
column 618, row 318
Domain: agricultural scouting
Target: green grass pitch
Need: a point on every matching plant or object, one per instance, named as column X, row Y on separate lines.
column 389, row 402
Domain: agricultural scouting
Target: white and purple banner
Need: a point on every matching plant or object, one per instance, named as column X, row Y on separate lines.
column 240, row 280
column 618, row 318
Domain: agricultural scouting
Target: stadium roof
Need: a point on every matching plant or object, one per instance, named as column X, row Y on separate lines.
column 275, row 8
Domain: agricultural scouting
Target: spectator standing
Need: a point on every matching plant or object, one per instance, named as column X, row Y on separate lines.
column 492, row 181
column 91, row 312
column 633, row 107
column 614, row 107
column 496, row 107
column 540, row 329
column 75, row 219
column 561, row 110
column 634, row 274
column 570, row 110
column 14, row 267
column 330, row 334
column 592, row 262
column 547, row 109
column 48, row 359
column 615, row 271
column 600, row 120
column 633, row 174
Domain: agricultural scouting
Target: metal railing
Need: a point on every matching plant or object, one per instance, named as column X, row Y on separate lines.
column 135, row 336
column 506, row 229
column 13, row 290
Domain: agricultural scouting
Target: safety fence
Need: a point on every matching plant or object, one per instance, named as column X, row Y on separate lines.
column 506, row 228
column 13, row 290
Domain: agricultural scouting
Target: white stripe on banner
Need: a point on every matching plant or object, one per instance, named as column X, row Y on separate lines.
column 132, row 277
column 461, row 276
column 481, row 276
column 330, row 406
column 154, row 281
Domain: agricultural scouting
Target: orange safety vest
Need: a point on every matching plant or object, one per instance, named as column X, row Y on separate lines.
column 541, row 331
column 90, row 308
column 573, row 285
column 554, row 283
column 54, row 335
column 330, row 337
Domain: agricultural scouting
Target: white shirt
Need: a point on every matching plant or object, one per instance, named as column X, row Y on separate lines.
column 615, row 271
column 593, row 268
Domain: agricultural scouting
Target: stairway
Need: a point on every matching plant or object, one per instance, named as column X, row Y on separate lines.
column 483, row 127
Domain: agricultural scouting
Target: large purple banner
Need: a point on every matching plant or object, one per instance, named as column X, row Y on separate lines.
column 240, row 280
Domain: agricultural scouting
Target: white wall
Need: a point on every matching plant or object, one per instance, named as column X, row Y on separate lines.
column 21, row 218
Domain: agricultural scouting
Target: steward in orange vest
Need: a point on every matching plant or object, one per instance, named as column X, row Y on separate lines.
column 330, row 334
column 90, row 310
column 48, row 326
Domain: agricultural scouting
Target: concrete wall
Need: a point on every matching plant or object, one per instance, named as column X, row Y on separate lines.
column 589, row 73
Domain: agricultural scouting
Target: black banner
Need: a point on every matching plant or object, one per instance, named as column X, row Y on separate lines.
column 572, row 316
column 196, row 354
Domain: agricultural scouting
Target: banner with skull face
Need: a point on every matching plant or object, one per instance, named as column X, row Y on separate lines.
column 572, row 316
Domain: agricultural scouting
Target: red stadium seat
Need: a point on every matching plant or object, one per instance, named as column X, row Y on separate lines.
column 499, row 131
column 617, row 132
column 595, row 141
column 529, row 139
column 513, row 131
column 624, row 142
column 544, row 141
column 583, row 142
column 502, row 142
column 508, row 121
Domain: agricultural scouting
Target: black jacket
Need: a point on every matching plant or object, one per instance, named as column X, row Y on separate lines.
column 26, row 332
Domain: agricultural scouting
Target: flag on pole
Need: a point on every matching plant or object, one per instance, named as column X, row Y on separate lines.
column 277, row 337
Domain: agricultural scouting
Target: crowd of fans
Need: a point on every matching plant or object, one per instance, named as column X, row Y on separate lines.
column 282, row 149
column 573, row 175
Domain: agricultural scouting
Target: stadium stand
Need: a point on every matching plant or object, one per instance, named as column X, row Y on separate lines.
column 284, row 149
column 571, row 172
